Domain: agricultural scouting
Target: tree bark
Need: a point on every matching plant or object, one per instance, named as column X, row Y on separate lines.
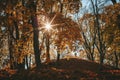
column 30, row 60
column 36, row 41
column 37, row 51
column 116, row 59
column 114, row 1
column 92, row 57
column 26, row 61
column 99, row 41
column 10, row 52
column 16, row 30
column 87, row 47
column 21, row 65
column 101, row 58
column 58, row 54
column 47, row 47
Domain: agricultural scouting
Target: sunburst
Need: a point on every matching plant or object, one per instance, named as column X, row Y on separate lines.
column 47, row 25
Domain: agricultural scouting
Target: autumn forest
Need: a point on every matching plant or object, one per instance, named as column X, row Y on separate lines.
column 59, row 40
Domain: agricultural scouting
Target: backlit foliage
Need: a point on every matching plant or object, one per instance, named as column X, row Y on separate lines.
column 67, row 31
column 88, row 32
column 112, row 31
column 64, row 6
column 20, row 19
column 108, row 37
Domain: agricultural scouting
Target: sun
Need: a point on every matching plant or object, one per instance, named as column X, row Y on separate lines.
column 47, row 26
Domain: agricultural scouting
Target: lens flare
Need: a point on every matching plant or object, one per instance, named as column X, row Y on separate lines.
column 48, row 26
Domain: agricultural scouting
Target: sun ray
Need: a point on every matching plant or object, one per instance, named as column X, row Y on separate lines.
column 47, row 25
column 53, row 19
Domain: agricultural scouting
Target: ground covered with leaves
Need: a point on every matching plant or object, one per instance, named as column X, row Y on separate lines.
column 72, row 69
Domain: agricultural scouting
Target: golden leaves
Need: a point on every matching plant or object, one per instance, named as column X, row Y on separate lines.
column 70, row 6
column 111, row 19
column 66, row 32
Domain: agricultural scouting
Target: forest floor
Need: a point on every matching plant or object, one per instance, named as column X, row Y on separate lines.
column 72, row 69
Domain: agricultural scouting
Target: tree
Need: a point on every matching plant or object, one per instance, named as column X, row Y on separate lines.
column 66, row 33
column 33, row 9
column 3, row 48
column 16, row 19
column 59, row 6
column 6, row 16
column 21, row 19
column 89, row 35
column 99, row 43
column 110, row 18
column 114, row 1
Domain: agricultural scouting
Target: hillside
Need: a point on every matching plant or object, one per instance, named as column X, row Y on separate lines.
column 72, row 69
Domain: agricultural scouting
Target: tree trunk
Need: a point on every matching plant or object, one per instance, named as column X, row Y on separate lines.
column 92, row 57
column 30, row 60
column 11, row 52
column 16, row 30
column 21, row 66
column 99, row 43
column 116, row 59
column 118, row 21
column 37, row 52
column 26, row 61
column 47, row 48
column 114, row 1
column 36, row 41
column 61, row 7
column 101, row 58
column 58, row 54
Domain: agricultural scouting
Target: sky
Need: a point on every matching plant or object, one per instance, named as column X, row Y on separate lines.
column 87, row 2
column 86, row 6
